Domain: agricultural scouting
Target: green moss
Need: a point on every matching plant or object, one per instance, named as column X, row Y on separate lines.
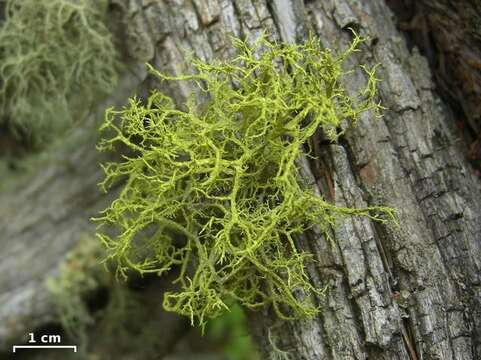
column 56, row 58
column 216, row 191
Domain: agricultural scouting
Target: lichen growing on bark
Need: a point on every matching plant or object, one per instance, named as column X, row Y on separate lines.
column 56, row 58
column 215, row 190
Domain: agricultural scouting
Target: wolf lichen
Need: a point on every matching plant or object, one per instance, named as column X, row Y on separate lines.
column 56, row 58
column 215, row 190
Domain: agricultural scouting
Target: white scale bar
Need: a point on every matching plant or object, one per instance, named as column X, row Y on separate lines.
column 74, row 347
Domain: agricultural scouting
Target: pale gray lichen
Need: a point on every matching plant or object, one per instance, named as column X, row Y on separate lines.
column 56, row 58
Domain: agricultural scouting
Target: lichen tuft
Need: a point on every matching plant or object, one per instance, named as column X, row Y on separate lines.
column 216, row 190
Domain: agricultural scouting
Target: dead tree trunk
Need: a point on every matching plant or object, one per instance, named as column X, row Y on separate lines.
column 449, row 34
column 407, row 292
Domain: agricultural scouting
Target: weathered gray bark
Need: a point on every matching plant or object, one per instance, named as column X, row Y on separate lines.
column 449, row 34
column 407, row 292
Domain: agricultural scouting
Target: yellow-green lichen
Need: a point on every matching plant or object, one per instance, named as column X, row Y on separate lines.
column 215, row 190
column 56, row 58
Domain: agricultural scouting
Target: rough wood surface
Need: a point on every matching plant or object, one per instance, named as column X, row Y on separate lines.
column 449, row 34
column 407, row 292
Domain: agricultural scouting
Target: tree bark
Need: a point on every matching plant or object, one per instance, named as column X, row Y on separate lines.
column 449, row 34
column 395, row 292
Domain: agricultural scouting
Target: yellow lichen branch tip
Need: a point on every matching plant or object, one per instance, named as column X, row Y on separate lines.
column 215, row 190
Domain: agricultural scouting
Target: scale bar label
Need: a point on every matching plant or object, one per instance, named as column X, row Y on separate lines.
column 74, row 347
